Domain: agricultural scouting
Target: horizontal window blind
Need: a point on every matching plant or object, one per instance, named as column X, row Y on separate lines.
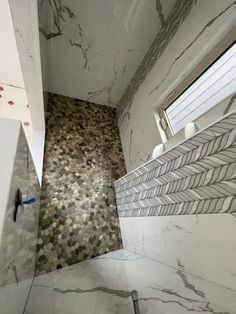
column 213, row 86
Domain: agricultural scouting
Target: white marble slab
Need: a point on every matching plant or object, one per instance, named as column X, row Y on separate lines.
column 14, row 105
column 18, row 237
column 11, row 72
column 13, row 297
column 95, row 47
column 205, row 26
column 204, row 245
column 26, row 28
column 102, row 285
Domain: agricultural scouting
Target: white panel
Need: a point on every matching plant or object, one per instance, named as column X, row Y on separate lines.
column 95, row 286
column 192, row 243
column 94, row 51
column 25, row 20
column 9, row 60
column 216, row 84
column 19, row 110
column 37, row 150
column 26, row 27
column 7, row 154
column 18, row 237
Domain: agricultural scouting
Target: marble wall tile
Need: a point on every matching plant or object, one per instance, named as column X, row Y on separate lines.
column 10, row 64
column 203, row 245
column 24, row 16
column 18, row 238
column 193, row 242
column 95, row 47
column 83, row 158
column 200, row 31
column 25, row 21
column 14, row 297
column 103, row 285
column 43, row 9
column 14, row 105
column 177, row 15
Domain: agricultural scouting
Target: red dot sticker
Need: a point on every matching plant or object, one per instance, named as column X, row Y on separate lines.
column 26, row 123
column 1, row 88
column 11, row 102
column 0, row 96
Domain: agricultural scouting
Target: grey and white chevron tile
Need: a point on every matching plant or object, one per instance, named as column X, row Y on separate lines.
column 196, row 177
column 201, row 138
column 208, row 163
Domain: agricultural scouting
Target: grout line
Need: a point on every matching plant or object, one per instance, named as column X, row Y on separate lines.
column 184, row 271
column 27, row 299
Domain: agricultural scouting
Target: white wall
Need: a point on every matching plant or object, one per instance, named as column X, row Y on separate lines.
column 25, row 21
column 160, row 289
column 21, row 67
column 203, row 245
column 7, row 161
column 203, row 28
column 17, row 238
column 9, row 62
column 96, row 46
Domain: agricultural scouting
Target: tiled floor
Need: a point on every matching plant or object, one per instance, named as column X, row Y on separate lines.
column 103, row 285
column 83, row 158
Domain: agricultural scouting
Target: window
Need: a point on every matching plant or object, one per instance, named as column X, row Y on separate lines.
column 208, row 89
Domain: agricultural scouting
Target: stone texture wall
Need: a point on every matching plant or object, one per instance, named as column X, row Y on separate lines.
column 83, row 158
column 176, row 17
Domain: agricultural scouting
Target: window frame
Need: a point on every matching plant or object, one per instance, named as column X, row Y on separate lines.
column 228, row 40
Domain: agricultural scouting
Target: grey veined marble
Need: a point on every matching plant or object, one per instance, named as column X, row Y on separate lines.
column 103, row 285
column 105, row 42
column 169, row 28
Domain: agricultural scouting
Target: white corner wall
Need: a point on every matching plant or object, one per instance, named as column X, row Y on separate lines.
column 9, row 61
column 26, row 27
column 21, row 75
column 203, row 28
column 95, row 47
column 203, row 245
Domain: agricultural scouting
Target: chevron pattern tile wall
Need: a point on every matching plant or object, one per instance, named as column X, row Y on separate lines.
column 196, row 177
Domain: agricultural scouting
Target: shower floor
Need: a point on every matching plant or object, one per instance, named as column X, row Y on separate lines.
column 83, row 158
column 102, row 286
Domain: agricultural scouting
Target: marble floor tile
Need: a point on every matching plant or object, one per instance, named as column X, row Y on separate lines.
column 83, row 158
column 103, row 285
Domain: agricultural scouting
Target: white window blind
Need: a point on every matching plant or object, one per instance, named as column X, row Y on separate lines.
column 213, row 86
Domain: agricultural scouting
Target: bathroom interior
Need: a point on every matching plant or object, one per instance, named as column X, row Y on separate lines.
column 118, row 156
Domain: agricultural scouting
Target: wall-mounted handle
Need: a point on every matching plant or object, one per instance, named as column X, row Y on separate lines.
column 18, row 203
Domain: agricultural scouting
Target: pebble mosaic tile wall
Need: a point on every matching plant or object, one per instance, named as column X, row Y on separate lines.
column 83, row 158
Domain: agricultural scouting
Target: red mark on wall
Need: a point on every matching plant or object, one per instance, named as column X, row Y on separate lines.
column 10, row 102
column 26, row 123
column 1, row 88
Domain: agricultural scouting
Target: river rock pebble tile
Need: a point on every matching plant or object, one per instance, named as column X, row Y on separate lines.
column 83, row 158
